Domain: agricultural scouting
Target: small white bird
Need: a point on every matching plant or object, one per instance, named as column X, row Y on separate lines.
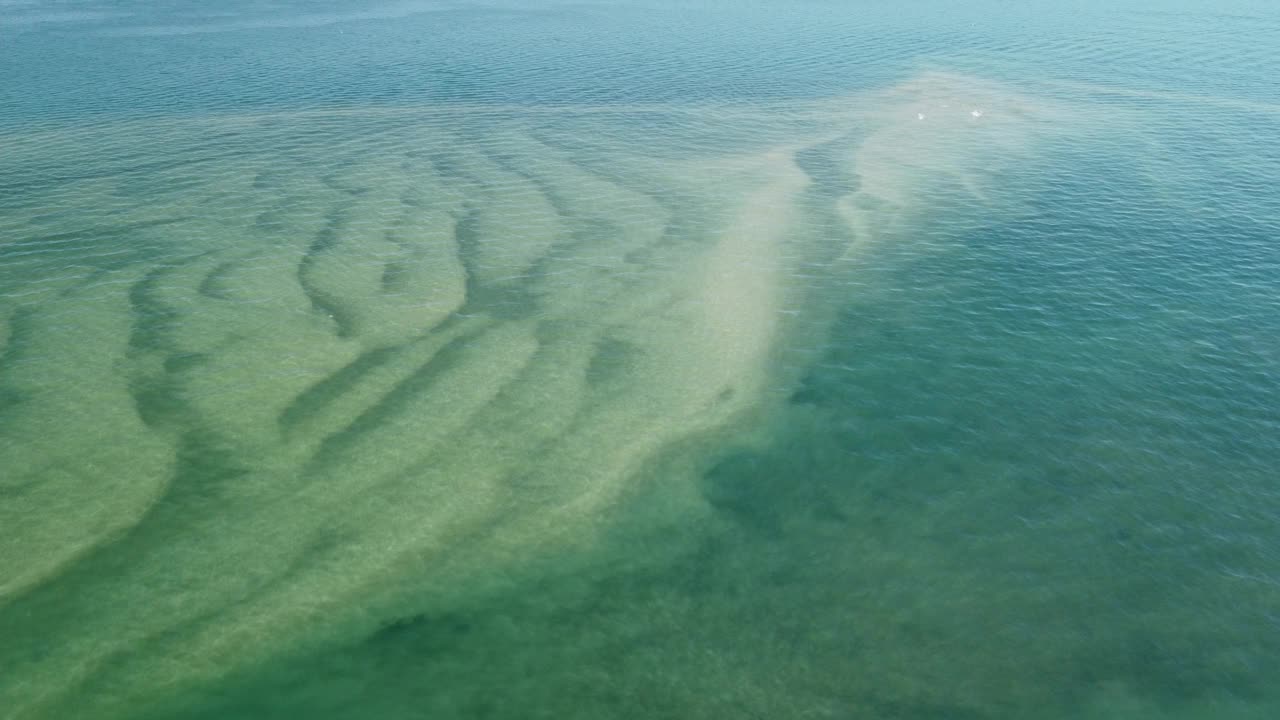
column 919, row 116
column 976, row 113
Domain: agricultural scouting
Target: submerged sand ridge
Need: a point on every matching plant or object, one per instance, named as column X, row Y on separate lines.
column 395, row 363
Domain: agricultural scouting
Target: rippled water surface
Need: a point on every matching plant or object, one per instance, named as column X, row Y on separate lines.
column 782, row 359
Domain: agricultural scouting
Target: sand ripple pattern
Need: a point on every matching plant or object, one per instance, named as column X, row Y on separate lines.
column 274, row 382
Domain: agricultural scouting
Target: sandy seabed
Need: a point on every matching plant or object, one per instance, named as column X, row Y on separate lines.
column 273, row 383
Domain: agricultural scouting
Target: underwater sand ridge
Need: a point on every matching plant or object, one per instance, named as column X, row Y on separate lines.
column 255, row 514
column 425, row 423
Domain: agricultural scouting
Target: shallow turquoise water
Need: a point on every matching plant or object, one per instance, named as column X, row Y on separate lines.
column 594, row 360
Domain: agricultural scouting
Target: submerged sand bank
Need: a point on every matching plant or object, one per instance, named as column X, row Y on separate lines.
column 332, row 379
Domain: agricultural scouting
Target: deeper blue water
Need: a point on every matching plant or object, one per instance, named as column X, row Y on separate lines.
column 628, row 359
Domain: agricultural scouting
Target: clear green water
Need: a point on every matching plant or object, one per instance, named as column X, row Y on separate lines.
column 639, row 360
